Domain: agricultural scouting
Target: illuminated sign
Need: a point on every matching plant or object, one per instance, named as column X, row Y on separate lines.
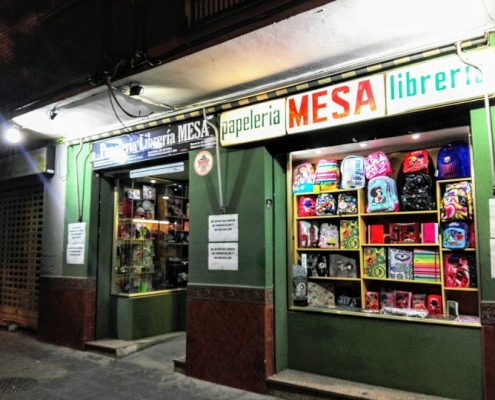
column 339, row 104
column 164, row 141
column 440, row 81
column 249, row 124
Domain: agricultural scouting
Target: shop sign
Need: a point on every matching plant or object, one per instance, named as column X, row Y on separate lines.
column 440, row 81
column 249, row 124
column 339, row 104
column 164, row 141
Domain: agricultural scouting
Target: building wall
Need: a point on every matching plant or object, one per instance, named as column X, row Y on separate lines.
column 67, row 310
column 230, row 317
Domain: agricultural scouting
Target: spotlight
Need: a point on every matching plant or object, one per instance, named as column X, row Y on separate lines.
column 13, row 135
column 135, row 89
column 53, row 113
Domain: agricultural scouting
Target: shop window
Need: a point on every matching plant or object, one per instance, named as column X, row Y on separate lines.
column 386, row 228
column 151, row 235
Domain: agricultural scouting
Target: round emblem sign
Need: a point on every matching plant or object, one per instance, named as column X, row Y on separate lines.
column 203, row 163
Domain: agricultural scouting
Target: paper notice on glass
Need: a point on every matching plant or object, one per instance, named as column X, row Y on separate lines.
column 75, row 253
column 223, row 228
column 76, row 233
column 223, row 256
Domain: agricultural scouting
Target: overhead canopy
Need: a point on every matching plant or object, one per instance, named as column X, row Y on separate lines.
column 336, row 37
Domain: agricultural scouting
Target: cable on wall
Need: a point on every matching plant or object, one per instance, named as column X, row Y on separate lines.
column 488, row 118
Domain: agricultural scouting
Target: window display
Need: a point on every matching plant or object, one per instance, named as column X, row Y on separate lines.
column 151, row 235
column 376, row 231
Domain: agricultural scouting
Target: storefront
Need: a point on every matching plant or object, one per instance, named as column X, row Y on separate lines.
column 390, row 295
column 144, row 228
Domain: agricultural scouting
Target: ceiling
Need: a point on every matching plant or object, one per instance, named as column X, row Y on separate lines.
column 332, row 38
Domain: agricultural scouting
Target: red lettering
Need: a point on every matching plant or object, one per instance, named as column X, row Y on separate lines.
column 340, row 101
column 295, row 115
column 364, row 97
column 317, row 106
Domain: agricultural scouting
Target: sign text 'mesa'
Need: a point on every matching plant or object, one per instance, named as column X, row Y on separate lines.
column 351, row 101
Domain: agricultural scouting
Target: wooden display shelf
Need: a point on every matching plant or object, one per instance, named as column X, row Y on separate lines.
column 323, row 249
column 333, row 278
column 343, row 216
column 414, row 281
column 397, row 214
column 400, row 245
column 455, row 289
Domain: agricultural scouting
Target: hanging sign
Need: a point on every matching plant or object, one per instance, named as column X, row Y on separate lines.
column 167, row 140
column 249, row 124
column 440, row 81
column 343, row 103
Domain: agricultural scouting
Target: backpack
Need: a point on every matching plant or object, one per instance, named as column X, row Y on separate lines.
column 417, row 161
column 353, row 172
column 377, row 164
column 417, row 193
column 342, row 266
column 325, row 204
column 329, row 236
column 453, row 161
column 327, row 174
column 382, row 195
column 400, row 264
column 455, row 235
column 303, row 178
column 457, row 202
column 459, row 271
column 306, row 206
column 347, row 204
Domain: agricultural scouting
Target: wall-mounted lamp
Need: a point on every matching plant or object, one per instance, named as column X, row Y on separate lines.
column 52, row 113
column 135, row 89
column 13, row 135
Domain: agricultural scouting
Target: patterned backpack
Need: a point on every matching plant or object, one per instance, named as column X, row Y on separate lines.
column 382, row 195
column 325, row 204
column 417, row 161
column 327, row 174
column 457, row 202
column 453, row 161
column 377, row 164
column 353, row 172
column 303, row 178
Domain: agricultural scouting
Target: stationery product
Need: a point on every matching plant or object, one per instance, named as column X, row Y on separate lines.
column 375, row 262
column 404, row 233
column 400, row 264
column 376, row 233
column 429, row 232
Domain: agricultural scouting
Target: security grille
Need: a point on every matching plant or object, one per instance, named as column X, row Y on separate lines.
column 21, row 219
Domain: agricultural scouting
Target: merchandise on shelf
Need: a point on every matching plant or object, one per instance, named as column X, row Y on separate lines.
column 457, row 202
column 382, row 195
column 377, row 164
column 453, row 161
column 321, row 294
column 327, row 174
column 353, row 172
column 342, row 266
column 347, row 204
column 400, row 264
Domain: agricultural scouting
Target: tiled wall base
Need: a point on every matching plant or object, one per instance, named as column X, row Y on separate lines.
column 230, row 336
column 488, row 335
column 67, row 311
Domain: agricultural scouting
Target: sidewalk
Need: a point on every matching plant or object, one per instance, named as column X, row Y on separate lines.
column 30, row 369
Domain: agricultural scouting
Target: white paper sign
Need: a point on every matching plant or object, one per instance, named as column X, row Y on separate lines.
column 223, row 228
column 76, row 242
column 492, row 257
column 77, row 233
column 491, row 212
column 223, row 256
column 75, row 253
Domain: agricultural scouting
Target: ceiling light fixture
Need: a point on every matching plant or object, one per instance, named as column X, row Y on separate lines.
column 13, row 135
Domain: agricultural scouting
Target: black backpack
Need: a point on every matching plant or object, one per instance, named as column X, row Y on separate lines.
column 417, row 193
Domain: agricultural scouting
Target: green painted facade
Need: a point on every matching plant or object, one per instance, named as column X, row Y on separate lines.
column 247, row 178
column 481, row 162
column 140, row 317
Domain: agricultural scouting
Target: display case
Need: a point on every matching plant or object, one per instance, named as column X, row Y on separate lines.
column 412, row 264
column 151, row 236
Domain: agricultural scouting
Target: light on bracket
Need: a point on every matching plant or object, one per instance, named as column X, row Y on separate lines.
column 135, row 89
column 52, row 113
column 13, row 135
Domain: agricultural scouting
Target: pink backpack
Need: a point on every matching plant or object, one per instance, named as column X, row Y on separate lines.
column 377, row 164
